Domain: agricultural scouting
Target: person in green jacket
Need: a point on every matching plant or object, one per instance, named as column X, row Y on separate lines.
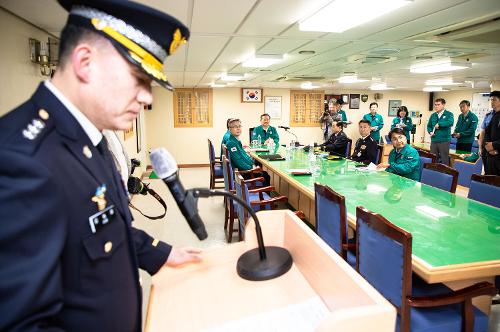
column 225, row 137
column 403, row 121
column 376, row 121
column 465, row 129
column 265, row 131
column 339, row 103
column 239, row 157
column 403, row 159
column 439, row 128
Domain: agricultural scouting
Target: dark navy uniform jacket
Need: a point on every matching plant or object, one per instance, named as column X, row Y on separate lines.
column 365, row 150
column 55, row 274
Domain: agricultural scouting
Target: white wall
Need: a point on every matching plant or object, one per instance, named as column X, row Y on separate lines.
column 189, row 145
column 20, row 77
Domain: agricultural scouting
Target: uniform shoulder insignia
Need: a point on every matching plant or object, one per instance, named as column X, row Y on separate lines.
column 29, row 127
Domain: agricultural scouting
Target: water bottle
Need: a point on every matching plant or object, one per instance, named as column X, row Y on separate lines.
column 312, row 159
column 259, row 141
column 271, row 146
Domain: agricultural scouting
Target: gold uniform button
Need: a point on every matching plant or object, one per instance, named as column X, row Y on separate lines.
column 108, row 246
column 43, row 114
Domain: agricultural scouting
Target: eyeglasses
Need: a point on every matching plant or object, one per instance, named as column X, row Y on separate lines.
column 236, row 127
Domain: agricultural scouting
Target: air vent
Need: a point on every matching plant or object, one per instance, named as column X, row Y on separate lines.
column 484, row 29
column 369, row 59
column 298, row 78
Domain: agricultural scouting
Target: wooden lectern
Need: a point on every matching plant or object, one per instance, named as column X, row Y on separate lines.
column 210, row 294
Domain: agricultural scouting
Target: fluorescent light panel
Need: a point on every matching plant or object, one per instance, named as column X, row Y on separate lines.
column 263, row 60
column 434, row 88
column 442, row 81
column 380, row 86
column 350, row 79
column 353, row 13
column 232, row 77
column 308, row 86
column 440, row 65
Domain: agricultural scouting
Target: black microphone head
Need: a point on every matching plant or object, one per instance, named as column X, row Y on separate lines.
column 163, row 163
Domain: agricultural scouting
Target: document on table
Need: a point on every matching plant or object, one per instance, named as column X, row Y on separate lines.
column 299, row 317
column 371, row 168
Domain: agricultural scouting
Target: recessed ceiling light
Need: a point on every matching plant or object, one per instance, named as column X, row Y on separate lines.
column 263, row 60
column 232, row 77
column 438, row 65
column 354, row 13
column 434, row 88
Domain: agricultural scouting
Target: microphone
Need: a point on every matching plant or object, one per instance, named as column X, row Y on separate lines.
column 263, row 262
column 166, row 169
column 283, row 127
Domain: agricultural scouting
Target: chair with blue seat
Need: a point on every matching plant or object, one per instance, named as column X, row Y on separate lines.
column 485, row 189
column 453, row 143
column 229, row 210
column 380, row 151
column 387, row 139
column 426, row 158
column 440, row 176
column 475, row 146
column 258, row 199
column 216, row 175
column 384, row 260
column 466, row 170
column 331, row 222
column 347, row 153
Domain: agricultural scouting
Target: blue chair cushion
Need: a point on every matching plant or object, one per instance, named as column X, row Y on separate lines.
column 218, row 171
column 255, row 197
column 351, row 259
column 485, row 193
column 436, row 179
column 443, row 318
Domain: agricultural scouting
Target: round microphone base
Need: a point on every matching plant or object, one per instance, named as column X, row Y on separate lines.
column 278, row 262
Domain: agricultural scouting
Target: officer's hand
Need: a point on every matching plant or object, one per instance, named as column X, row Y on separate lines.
column 489, row 146
column 457, row 135
column 436, row 126
column 382, row 165
column 184, row 255
column 373, row 128
column 267, row 141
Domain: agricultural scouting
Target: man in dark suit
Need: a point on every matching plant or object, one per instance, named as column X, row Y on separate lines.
column 69, row 256
column 337, row 142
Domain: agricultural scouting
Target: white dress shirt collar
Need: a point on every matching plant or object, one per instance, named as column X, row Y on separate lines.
column 92, row 132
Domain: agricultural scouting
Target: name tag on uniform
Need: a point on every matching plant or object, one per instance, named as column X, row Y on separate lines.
column 101, row 218
column 233, row 149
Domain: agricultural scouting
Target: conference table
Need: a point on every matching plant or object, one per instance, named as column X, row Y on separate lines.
column 454, row 154
column 455, row 240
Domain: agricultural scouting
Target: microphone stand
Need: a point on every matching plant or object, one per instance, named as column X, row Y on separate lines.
column 296, row 138
column 261, row 263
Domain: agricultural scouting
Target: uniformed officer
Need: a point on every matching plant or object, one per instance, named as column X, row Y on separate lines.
column 403, row 121
column 239, row 157
column 465, row 130
column 439, row 128
column 403, row 159
column 376, row 121
column 266, row 131
column 365, row 150
column 337, row 142
column 492, row 137
column 69, row 254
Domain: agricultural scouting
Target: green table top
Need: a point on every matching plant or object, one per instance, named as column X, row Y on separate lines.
column 447, row 229
column 427, row 146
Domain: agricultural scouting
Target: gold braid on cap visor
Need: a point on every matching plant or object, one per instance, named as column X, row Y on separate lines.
column 148, row 62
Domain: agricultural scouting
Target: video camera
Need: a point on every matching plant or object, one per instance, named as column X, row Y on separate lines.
column 134, row 184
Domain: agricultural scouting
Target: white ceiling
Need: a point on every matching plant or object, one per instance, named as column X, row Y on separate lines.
column 226, row 32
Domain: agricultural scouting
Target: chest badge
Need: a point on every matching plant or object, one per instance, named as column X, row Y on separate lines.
column 363, row 147
column 99, row 197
